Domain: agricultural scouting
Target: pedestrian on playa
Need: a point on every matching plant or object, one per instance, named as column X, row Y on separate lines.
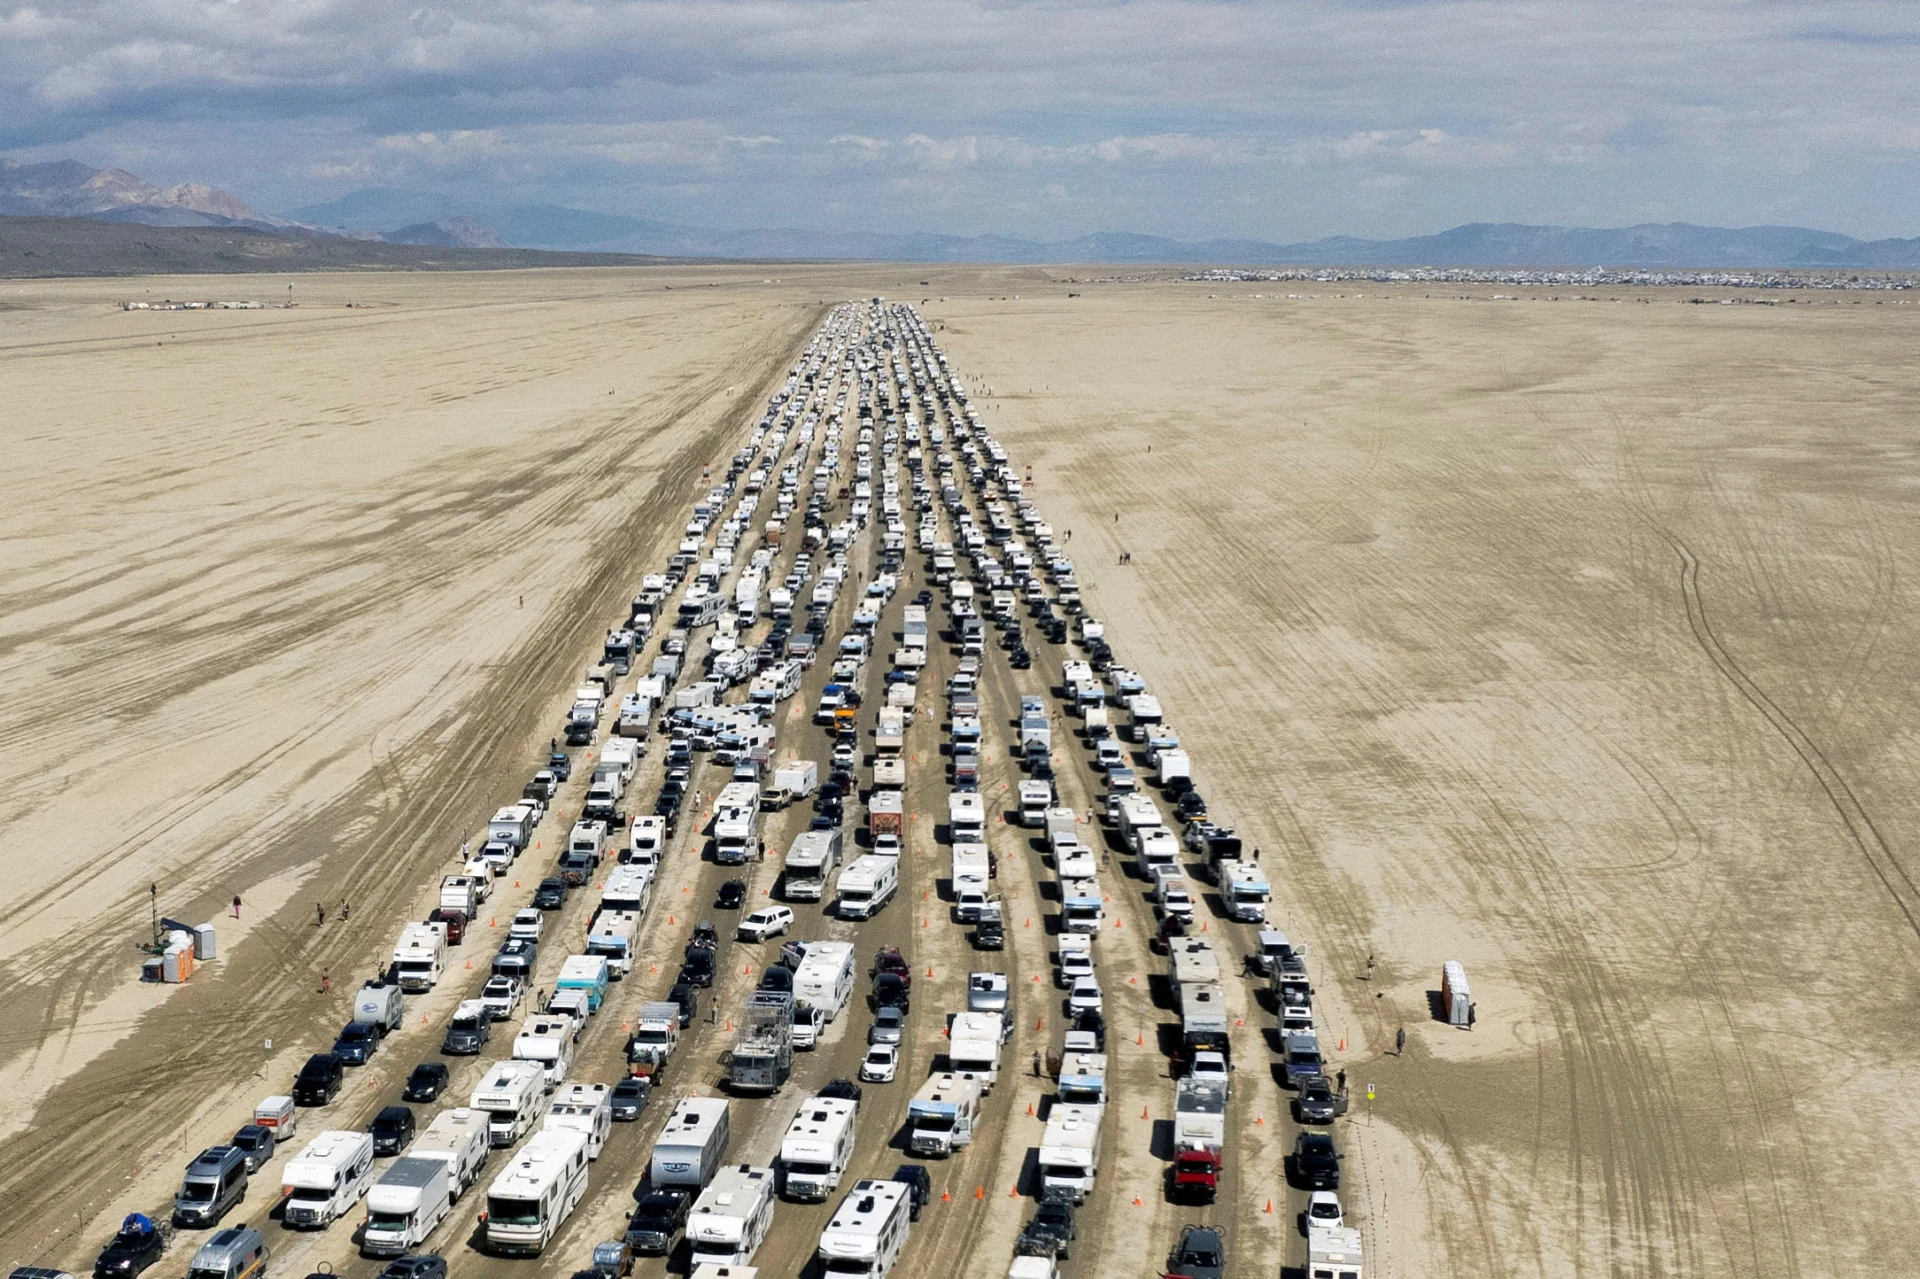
column 346, row 911
column 236, row 905
column 1036, row 1063
column 1343, row 1079
column 326, row 981
column 319, row 915
column 1400, row 1042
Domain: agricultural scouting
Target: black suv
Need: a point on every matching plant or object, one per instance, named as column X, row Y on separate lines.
column 552, row 893
column 1316, row 1165
column 392, row 1130
column 919, row 1187
column 319, row 1080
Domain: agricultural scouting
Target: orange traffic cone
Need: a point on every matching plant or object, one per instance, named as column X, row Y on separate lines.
column 1029, row 1108
column 946, row 1196
column 1343, row 1043
column 1136, row 1201
column 1143, row 1112
column 1269, row 1207
column 929, row 970
column 979, row 1192
column 1013, row 1192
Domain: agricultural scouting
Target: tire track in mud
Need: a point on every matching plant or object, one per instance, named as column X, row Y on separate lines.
column 1865, row 837
column 130, row 1098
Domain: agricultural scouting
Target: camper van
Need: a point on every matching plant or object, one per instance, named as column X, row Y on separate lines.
column 403, row 1207
column 535, row 1194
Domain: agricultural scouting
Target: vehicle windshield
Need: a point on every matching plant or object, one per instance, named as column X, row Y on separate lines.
column 808, row 1169
column 196, row 1192
column 388, row 1220
column 1200, row 1257
column 1324, row 1210
column 513, row 1212
column 848, row 1266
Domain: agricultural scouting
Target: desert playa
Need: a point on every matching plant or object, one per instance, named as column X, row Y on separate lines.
column 1568, row 640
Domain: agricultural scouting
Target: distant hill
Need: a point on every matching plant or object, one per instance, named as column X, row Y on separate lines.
column 1675, row 244
column 66, row 188
column 47, row 247
column 452, row 233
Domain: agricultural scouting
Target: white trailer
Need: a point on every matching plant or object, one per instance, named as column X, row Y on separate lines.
column 867, row 1232
column 323, row 1182
column 404, row 1206
column 692, row 1145
column 817, row 1147
column 583, row 1108
column 457, row 1138
column 1070, row 1151
column 533, row 1197
column 825, row 978
column 510, row 1096
column 1334, row 1252
column 731, row 1217
column 546, row 1040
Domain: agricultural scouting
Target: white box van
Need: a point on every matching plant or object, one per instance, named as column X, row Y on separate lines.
column 403, row 1207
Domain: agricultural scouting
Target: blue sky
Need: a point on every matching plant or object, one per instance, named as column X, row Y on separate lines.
column 1282, row 121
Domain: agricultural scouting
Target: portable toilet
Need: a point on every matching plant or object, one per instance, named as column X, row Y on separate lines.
column 203, row 942
column 1454, row 996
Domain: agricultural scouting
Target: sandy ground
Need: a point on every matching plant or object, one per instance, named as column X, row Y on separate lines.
column 1565, row 639
column 1561, row 638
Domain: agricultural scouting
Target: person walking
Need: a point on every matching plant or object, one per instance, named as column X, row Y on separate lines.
column 1036, row 1063
column 319, row 915
column 236, row 905
column 346, row 911
column 1400, row 1042
column 326, row 981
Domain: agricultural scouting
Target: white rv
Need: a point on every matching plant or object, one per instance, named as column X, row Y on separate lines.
column 1070, row 1151
column 419, row 956
column 692, row 1145
column 405, row 1205
column 583, row 1108
column 533, row 1197
column 324, row 1181
column 867, row 886
column 547, row 1040
column 868, row 1230
column 731, row 1217
column 457, row 1138
column 813, row 854
column 510, row 1096
column 818, row 1144
column 825, row 978
column 942, row 1115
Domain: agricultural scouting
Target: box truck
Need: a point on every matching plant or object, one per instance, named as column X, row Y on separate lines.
column 404, row 1206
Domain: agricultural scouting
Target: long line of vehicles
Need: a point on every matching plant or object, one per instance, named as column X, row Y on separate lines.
column 992, row 566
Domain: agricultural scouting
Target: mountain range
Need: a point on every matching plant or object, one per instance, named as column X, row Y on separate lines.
column 67, row 188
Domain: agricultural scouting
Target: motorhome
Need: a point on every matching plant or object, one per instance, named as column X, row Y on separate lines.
column 612, row 931
column 730, row 1219
column 656, row 1033
column 584, row 1108
column 811, row 858
column 1199, row 1134
column 586, row 973
column 510, row 1095
column 533, row 1196
column 736, row 815
column 971, row 870
column 457, row 1138
column 326, row 1179
column 942, row 1115
column 866, row 886
column 1246, row 892
column 973, row 1044
column 403, row 1207
column 825, row 977
column 868, row 1231
column 547, row 1040
column 648, row 841
column 692, row 1145
column 419, row 956
column 1081, row 913
column 1036, row 798
column 1083, row 1078
column 1070, row 1151
column 817, row 1147
column 966, row 818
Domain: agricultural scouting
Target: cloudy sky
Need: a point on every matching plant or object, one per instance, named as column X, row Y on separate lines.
column 1282, row 121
